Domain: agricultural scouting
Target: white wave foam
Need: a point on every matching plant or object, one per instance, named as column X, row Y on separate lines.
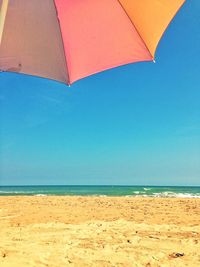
column 14, row 192
column 172, row 194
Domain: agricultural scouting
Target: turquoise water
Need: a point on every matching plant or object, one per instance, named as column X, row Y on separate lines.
column 152, row 191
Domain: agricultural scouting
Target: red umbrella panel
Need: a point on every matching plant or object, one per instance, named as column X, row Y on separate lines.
column 66, row 40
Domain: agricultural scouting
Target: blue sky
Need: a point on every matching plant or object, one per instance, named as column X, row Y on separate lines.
column 136, row 124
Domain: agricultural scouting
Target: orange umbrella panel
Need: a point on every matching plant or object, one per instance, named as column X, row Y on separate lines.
column 151, row 18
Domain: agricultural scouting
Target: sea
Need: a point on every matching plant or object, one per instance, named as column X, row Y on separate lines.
column 102, row 190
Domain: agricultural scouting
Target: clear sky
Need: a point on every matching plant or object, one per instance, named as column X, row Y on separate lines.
column 135, row 124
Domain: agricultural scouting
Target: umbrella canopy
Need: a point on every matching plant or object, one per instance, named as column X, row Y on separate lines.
column 67, row 40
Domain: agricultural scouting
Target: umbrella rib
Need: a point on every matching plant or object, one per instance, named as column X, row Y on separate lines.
column 68, row 82
column 136, row 29
column 3, row 11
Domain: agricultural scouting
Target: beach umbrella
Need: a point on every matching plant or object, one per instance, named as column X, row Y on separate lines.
column 66, row 40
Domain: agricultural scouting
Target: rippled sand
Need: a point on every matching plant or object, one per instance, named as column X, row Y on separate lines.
column 59, row 231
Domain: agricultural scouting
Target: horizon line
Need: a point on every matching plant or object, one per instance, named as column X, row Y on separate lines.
column 102, row 185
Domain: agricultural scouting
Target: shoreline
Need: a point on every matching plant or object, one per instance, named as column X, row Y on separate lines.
column 99, row 191
column 177, row 196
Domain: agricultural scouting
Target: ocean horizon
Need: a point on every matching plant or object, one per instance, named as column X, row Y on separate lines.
column 101, row 190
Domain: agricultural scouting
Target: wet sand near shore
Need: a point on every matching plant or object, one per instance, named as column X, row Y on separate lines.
column 58, row 231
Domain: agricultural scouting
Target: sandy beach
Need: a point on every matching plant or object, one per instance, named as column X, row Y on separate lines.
column 57, row 231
